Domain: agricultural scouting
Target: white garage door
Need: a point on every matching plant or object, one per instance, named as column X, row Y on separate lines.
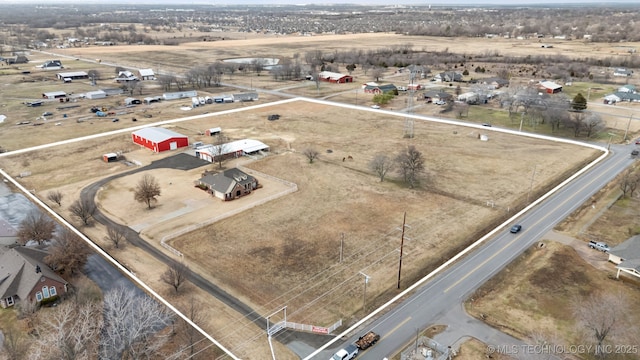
column 173, row 145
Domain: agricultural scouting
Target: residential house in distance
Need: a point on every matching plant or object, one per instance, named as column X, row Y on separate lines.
column 25, row 277
column 448, row 76
column 626, row 256
column 627, row 89
column 125, row 76
column 334, row 77
column 51, row 65
column 229, row 184
column 494, row 82
column 373, row 88
column 436, row 95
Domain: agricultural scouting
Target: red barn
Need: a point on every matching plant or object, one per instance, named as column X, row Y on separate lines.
column 159, row 139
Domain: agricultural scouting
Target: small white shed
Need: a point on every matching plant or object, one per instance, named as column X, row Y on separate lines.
column 98, row 94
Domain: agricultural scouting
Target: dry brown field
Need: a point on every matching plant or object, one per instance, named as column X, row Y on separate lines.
column 286, row 252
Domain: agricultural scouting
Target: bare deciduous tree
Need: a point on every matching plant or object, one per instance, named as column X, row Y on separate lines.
column 311, row 154
column 115, row 235
column 220, row 149
column 35, row 226
column 603, row 317
column 147, row 190
column 381, row 164
column 83, row 210
column 176, row 275
column 629, row 183
column 132, row 326
column 71, row 332
column 411, row 165
column 55, row 196
column 68, row 252
column 192, row 338
column 593, row 123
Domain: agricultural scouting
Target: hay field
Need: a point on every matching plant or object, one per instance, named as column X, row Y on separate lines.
column 286, row 252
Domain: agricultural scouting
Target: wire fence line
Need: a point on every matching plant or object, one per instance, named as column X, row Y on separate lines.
column 292, row 187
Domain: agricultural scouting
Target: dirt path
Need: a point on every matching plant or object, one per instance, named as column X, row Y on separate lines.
column 597, row 259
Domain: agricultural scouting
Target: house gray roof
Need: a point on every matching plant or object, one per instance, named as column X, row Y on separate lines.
column 450, row 76
column 157, row 134
column 496, row 80
column 628, row 250
column 225, row 181
column 627, row 96
column 18, row 274
column 630, row 264
column 383, row 88
column 437, row 94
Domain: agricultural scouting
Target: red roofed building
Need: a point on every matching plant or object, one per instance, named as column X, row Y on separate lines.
column 159, row 139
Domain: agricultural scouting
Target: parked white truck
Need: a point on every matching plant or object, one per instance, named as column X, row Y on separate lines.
column 599, row 246
column 347, row 353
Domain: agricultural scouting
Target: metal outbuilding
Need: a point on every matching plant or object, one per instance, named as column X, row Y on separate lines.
column 98, row 94
column 54, row 95
column 234, row 149
column 159, row 139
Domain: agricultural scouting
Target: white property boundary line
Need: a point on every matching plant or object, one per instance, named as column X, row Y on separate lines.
column 114, row 262
column 328, row 103
column 485, row 237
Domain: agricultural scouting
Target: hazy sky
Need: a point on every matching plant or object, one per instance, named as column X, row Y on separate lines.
column 363, row 2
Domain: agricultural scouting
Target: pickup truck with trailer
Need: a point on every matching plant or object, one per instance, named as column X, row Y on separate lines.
column 347, row 353
column 367, row 340
column 599, row 246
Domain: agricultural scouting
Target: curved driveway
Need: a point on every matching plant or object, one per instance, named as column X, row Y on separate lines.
column 181, row 162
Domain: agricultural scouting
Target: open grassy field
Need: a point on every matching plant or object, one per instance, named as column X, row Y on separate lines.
column 540, row 302
column 287, row 251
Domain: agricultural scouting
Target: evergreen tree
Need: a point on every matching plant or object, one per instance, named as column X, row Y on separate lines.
column 579, row 102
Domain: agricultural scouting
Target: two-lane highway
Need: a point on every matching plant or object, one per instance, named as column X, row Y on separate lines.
column 454, row 284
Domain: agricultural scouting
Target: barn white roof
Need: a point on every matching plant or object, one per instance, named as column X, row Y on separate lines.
column 72, row 74
column 157, row 134
column 245, row 145
column 146, row 72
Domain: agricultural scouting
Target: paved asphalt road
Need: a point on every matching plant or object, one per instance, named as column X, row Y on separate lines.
column 436, row 298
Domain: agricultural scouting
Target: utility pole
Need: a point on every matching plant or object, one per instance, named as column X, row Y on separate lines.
column 364, row 293
column 404, row 220
column 341, row 246
column 627, row 130
column 531, row 185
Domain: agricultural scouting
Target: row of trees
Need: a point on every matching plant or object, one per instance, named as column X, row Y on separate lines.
column 409, row 164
